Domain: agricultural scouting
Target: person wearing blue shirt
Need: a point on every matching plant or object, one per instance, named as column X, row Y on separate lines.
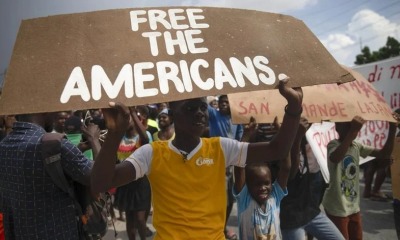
column 220, row 125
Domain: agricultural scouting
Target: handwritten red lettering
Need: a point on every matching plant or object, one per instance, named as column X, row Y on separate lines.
column 354, row 86
column 243, row 108
column 394, row 68
column 264, row 108
column 325, row 110
column 345, row 87
column 341, row 108
column 376, row 94
column 252, row 108
column 323, row 138
column 395, row 100
column 372, row 76
column 384, row 110
column 374, row 133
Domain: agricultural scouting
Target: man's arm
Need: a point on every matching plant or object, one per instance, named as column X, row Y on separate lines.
column 140, row 128
column 295, row 151
column 239, row 172
column 92, row 134
column 105, row 174
column 281, row 144
column 338, row 154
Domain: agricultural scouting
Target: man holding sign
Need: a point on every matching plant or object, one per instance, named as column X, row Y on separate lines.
column 187, row 175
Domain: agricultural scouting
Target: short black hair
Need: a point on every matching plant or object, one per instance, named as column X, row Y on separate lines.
column 143, row 110
column 251, row 167
column 73, row 124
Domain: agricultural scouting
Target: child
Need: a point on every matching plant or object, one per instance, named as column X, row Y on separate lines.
column 342, row 198
column 259, row 198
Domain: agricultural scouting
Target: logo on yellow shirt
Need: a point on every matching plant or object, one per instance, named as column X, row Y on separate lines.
column 204, row 161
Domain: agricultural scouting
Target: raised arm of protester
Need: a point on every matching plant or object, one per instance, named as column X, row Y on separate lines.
column 295, row 151
column 280, row 145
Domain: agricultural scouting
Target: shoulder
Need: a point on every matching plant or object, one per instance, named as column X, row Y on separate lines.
column 333, row 143
column 359, row 145
column 68, row 145
column 211, row 140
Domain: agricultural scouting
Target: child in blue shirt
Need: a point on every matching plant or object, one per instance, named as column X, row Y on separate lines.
column 258, row 199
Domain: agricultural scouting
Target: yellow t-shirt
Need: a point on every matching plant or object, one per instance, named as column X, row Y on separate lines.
column 189, row 196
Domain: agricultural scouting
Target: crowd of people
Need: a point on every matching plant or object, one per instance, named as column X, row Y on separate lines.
column 186, row 163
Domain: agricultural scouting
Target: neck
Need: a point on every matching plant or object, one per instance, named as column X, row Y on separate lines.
column 166, row 133
column 185, row 144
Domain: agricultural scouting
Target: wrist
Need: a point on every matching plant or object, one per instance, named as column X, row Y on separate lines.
column 294, row 111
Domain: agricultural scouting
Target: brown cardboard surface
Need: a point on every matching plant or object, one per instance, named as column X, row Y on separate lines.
column 327, row 102
column 395, row 169
column 84, row 60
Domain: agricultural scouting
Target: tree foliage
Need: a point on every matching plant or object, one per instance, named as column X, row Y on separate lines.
column 391, row 49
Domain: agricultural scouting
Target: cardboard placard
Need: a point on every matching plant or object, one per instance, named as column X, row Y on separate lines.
column 149, row 55
column 395, row 169
column 385, row 77
column 328, row 102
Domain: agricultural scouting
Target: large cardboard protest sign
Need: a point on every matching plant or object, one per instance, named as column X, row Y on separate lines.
column 140, row 56
column 327, row 102
column 372, row 133
column 385, row 77
column 395, row 169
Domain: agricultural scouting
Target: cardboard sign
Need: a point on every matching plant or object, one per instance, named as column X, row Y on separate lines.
column 372, row 133
column 318, row 136
column 149, row 55
column 336, row 103
column 385, row 77
column 395, row 169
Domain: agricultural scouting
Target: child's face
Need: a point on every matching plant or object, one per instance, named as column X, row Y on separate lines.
column 259, row 183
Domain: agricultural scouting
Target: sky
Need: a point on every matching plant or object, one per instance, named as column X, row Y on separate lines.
column 343, row 26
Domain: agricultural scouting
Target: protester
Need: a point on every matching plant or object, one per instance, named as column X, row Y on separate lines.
column 3, row 126
column 187, row 174
column 376, row 167
column 33, row 206
column 167, row 129
column 258, row 198
column 73, row 130
column 300, row 209
column 152, row 118
column 134, row 198
column 342, row 198
column 59, row 123
column 213, row 101
column 144, row 112
column 220, row 125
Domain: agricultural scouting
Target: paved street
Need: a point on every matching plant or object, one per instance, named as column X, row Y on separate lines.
column 378, row 223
